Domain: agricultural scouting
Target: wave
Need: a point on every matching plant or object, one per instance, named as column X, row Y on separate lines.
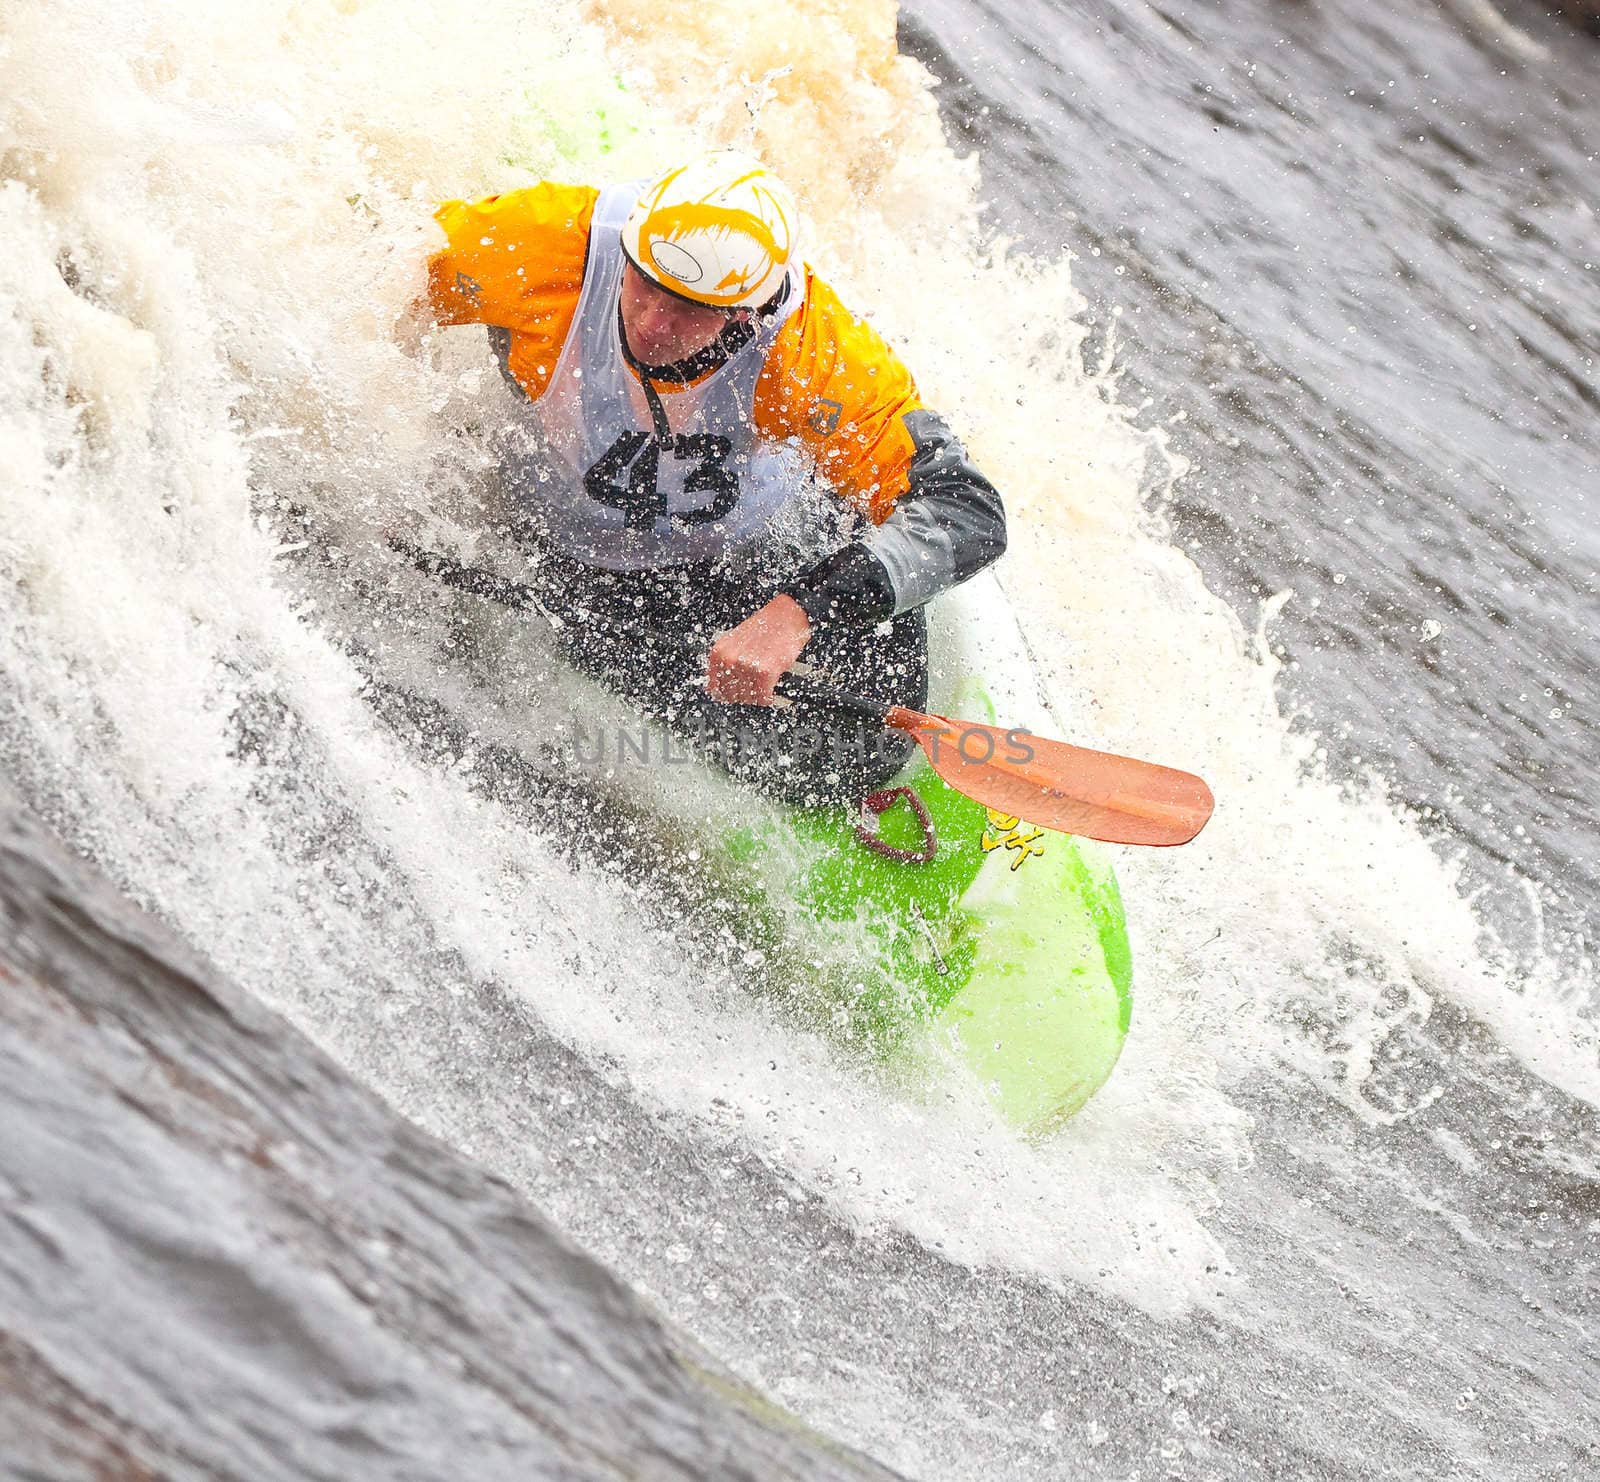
column 207, row 241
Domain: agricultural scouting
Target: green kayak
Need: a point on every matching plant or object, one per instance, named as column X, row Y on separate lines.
column 923, row 929
column 962, row 929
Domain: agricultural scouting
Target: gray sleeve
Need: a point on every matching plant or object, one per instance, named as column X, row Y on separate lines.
column 947, row 526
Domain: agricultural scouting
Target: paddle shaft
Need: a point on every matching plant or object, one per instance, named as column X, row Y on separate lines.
column 1052, row 784
column 521, row 597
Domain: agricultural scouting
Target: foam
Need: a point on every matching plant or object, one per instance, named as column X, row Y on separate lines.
column 245, row 210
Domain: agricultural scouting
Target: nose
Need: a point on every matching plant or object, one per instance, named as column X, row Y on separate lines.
column 661, row 327
column 664, row 315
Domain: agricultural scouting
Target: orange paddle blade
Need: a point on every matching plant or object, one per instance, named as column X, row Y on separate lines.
column 1055, row 785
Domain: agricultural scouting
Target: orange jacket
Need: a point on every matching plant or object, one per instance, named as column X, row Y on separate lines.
column 515, row 261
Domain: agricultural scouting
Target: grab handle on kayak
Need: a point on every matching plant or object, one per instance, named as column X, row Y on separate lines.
column 875, row 805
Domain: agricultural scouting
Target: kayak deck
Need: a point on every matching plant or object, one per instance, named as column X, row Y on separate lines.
column 1008, row 947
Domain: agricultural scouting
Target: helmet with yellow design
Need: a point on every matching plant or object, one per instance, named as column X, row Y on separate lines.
column 719, row 230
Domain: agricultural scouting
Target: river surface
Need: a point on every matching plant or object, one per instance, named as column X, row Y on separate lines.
column 1276, row 324
column 1356, row 252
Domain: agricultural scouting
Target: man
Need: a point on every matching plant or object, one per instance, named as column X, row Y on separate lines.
column 688, row 381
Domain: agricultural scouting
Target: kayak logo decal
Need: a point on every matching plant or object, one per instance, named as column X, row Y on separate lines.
column 824, row 419
column 1007, row 831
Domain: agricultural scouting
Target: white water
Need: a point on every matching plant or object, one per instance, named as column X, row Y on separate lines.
column 243, row 206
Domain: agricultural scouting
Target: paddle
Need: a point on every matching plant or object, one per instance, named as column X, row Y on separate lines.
column 1049, row 784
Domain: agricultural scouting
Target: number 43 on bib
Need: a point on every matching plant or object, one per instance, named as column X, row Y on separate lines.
column 627, row 477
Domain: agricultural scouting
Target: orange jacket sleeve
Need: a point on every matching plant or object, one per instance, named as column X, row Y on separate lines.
column 515, row 262
column 832, row 383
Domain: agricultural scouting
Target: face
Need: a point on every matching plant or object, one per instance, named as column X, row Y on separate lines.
column 662, row 329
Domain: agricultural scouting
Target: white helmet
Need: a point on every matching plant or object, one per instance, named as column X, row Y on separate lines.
column 719, row 230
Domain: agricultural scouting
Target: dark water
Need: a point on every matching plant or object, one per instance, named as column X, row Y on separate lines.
column 220, row 1258
column 1357, row 247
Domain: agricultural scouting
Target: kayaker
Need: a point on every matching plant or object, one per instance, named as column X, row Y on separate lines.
column 687, row 380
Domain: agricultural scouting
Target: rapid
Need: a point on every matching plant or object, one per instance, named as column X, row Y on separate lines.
column 1294, row 413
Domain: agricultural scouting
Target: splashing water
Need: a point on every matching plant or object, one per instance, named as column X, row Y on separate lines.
column 207, row 242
